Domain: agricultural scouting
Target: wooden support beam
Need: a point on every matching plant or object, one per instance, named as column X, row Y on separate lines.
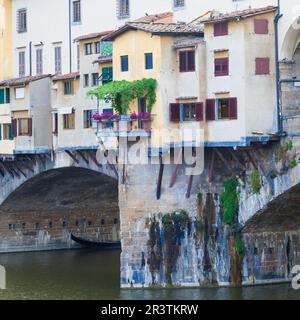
column 6, row 167
column 234, row 156
column 81, row 154
column 190, row 184
column 26, row 164
column 71, row 155
column 19, row 169
column 94, row 158
column 175, row 171
column 212, row 166
column 160, row 177
column 222, row 158
column 2, row 172
column 252, row 159
column 32, row 159
column 15, row 172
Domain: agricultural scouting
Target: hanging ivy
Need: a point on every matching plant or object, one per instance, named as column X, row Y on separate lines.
column 122, row 93
column 230, row 201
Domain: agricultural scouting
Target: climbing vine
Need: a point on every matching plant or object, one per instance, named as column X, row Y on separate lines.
column 240, row 248
column 230, row 201
column 255, row 181
column 122, row 93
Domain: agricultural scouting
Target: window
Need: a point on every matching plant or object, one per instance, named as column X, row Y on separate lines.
column 69, row 121
column 4, row 95
column 19, row 93
column 86, row 80
column 57, row 58
column 221, row 29
column 226, row 109
column 124, row 63
column 87, row 118
column 107, row 74
column 22, row 64
column 262, row 66
column 179, row 3
column 221, row 67
column 187, row 61
column 261, row 26
column 97, row 47
column 7, row 131
column 76, row 11
column 22, row 20
column 95, row 79
column 25, row 127
column 186, row 112
column 55, row 123
column 88, row 49
column 123, row 10
column 39, row 61
column 148, row 61
column 68, row 87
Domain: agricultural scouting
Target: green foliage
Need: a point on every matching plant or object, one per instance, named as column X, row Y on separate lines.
column 289, row 145
column 122, row 93
column 199, row 197
column 240, row 248
column 106, row 48
column 230, row 201
column 255, row 181
column 292, row 163
column 167, row 219
column 273, row 174
column 281, row 151
column 180, row 218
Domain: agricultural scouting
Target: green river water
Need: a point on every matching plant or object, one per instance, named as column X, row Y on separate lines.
column 86, row 274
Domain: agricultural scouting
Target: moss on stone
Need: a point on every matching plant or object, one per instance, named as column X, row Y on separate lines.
column 240, row 248
column 229, row 201
column 255, row 181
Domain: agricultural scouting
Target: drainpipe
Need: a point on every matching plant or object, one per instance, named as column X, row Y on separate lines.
column 278, row 98
column 70, row 34
column 30, row 58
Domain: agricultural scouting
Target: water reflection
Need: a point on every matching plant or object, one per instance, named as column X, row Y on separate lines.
column 86, row 274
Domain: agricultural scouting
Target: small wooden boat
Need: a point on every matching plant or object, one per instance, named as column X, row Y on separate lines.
column 97, row 244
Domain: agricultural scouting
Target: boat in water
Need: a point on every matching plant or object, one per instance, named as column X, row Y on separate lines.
column 97, row 244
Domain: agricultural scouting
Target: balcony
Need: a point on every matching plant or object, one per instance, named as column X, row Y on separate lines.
column 123, row 125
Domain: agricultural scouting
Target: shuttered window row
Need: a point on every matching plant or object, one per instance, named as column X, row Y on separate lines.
column 215, row 109
column 6, row 131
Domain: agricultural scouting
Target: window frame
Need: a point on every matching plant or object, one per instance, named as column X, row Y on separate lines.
column 223, row 29
column 22, row 20
column 7, row 131
column 221, row 62
column 21, row 132
column 186, row 67
column 122, row 61
column 192, row 115
column 39, row 61
column 262, row 66
column 57, row 60
column 87, row 119
column 123, row 9
column 178, row 4
column 95, row 79
column 22, row 63
column 90, row 47
column 97, row 47
column 86, row 80
column 69, row 92
column 147, row 56
column 76, row 11
column 69, row 124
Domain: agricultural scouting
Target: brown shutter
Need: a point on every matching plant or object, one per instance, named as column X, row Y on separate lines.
column 210, row 110
column 175, row 112
column 182, row 61
column 14, row 127
column 261, row 26
column 262, row 66
column 199, row 112
column 30, row 127
column 221, row 29
column 191, row 60
column 233, row 108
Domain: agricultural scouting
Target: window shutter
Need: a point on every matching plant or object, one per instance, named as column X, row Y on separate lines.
column 182, row 61
column 175, row 112
column 14, row 127
column 262, row 66
column 261, row 26
column 233, row 108
column 210, row 109
column 199, row 112
column 221, row 29
column 0, row 132
column 7, row 95
column 2, row 96
column 191, row 60
column 10, row 133
column 30, row 127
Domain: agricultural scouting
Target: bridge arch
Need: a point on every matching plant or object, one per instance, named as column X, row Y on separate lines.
column 291, row 39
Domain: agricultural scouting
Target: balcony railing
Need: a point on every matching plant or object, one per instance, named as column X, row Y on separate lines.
column 125, row 126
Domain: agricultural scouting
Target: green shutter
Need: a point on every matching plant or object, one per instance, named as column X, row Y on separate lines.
column 0, row 132
column 2, row 96
column 7, row 95
column 10, row 133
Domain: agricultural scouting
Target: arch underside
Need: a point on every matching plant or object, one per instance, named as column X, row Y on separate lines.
column 42, row 213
